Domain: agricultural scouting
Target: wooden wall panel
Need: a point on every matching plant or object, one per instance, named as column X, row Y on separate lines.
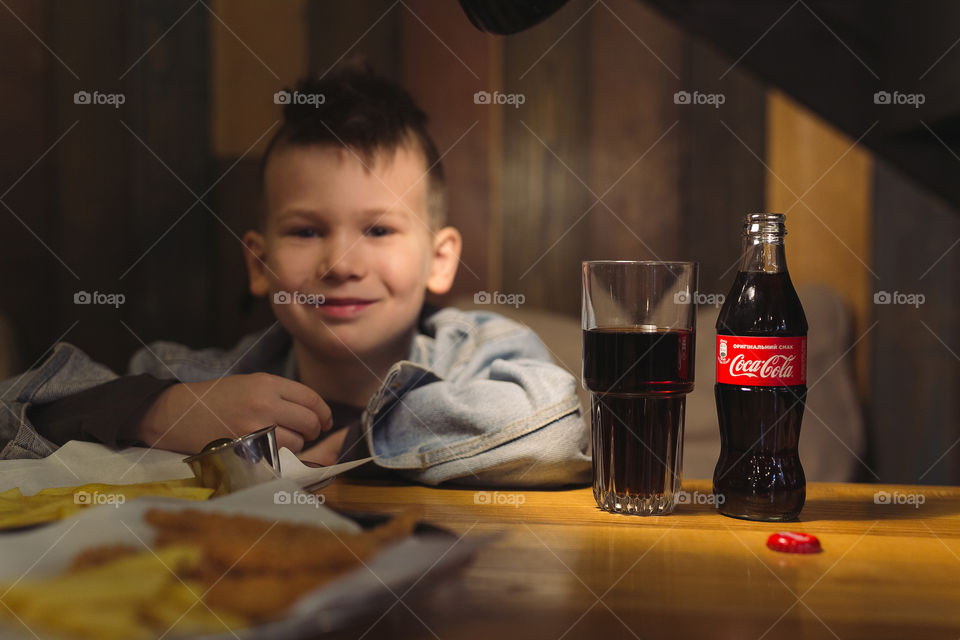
column 26, row 298
column 118, row 174
column 168, row 168
column 340, row 31
column 235, row 201
column 100, row 198
column 445, row 62
column 545, row 143
column 722, row 177
column 916, row 349
column 243, row 119
column 632, row 116
column 830, row 230
column 255, row 49
column 692, row 181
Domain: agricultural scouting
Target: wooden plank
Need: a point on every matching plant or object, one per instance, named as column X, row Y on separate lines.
column 171, row 288
column 107, row 198
column 633, row 119
column 27, row 134
column 243, row 120
column 829, row 230
column 886, row 570
column 94, row 221
column 721, row 177
column 461, row 60
column 692, row 181
column 236, row 196
column 915, row 348
column 340, row 31
column 834, row 507
column 542, row 198
column 256, row 49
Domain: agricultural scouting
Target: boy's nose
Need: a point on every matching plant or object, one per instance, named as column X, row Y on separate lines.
column 342, row 261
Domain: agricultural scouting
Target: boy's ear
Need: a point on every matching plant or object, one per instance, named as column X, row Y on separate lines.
column 255, row 255
column 447, row 244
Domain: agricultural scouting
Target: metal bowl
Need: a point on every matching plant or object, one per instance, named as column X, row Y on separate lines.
column 227, row 465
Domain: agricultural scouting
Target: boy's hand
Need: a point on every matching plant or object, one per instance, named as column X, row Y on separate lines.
column 233, row 406
column 327, row 451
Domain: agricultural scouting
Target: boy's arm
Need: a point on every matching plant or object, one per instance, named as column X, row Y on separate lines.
column 109, row 413
column 484, row 406
column 71, row 396
column 67, row 371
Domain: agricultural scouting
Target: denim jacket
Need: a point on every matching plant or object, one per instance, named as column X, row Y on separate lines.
column 478, row 401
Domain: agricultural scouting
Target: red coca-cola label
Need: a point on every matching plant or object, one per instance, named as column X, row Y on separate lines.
column 772, row 361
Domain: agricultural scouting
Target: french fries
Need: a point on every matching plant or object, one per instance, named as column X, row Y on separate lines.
column 208, row 573
column 18, row 510
column 138, row 595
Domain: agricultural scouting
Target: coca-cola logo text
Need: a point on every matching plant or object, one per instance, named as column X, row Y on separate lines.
column 762, row 361
column 776, row 366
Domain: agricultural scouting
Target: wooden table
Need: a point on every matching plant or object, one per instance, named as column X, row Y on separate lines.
column 561, row 568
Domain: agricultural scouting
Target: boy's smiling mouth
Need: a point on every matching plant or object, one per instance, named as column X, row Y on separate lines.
column 344, row 308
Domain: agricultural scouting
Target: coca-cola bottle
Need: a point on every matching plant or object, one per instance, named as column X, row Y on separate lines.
column 761, row 382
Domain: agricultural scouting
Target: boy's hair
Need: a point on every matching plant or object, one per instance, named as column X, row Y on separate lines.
column 365, row 113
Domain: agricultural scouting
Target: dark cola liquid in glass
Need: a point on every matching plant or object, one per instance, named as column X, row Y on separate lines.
column 761, row 383
column 638, row 379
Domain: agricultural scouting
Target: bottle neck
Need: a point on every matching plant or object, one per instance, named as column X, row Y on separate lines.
column 761, row 255
column 762, row 248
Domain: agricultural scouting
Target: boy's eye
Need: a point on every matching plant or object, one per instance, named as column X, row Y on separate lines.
column 379, row 231
column 304, row 232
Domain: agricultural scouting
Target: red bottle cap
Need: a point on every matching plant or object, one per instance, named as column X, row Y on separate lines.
column 794, row 542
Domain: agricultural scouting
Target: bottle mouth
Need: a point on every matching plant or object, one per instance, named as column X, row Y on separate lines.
column 765, row 224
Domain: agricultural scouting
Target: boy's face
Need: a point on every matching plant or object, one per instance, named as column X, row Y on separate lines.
column 360, row 239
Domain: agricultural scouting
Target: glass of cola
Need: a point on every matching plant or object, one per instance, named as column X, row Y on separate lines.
column 638, row 320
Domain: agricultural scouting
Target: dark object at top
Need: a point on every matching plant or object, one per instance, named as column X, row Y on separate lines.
column 504, row 17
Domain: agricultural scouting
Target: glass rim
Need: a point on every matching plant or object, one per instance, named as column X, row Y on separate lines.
column 642, row 262
column 779, row 217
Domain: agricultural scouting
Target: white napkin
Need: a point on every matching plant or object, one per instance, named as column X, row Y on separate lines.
column 312, row 477
column 77, row 463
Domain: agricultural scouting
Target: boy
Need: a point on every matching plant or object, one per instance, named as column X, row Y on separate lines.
column 350, row 240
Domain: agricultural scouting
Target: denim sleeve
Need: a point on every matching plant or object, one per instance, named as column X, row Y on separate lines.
column 484, row 407
column 67, row 371
column 108, row 413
